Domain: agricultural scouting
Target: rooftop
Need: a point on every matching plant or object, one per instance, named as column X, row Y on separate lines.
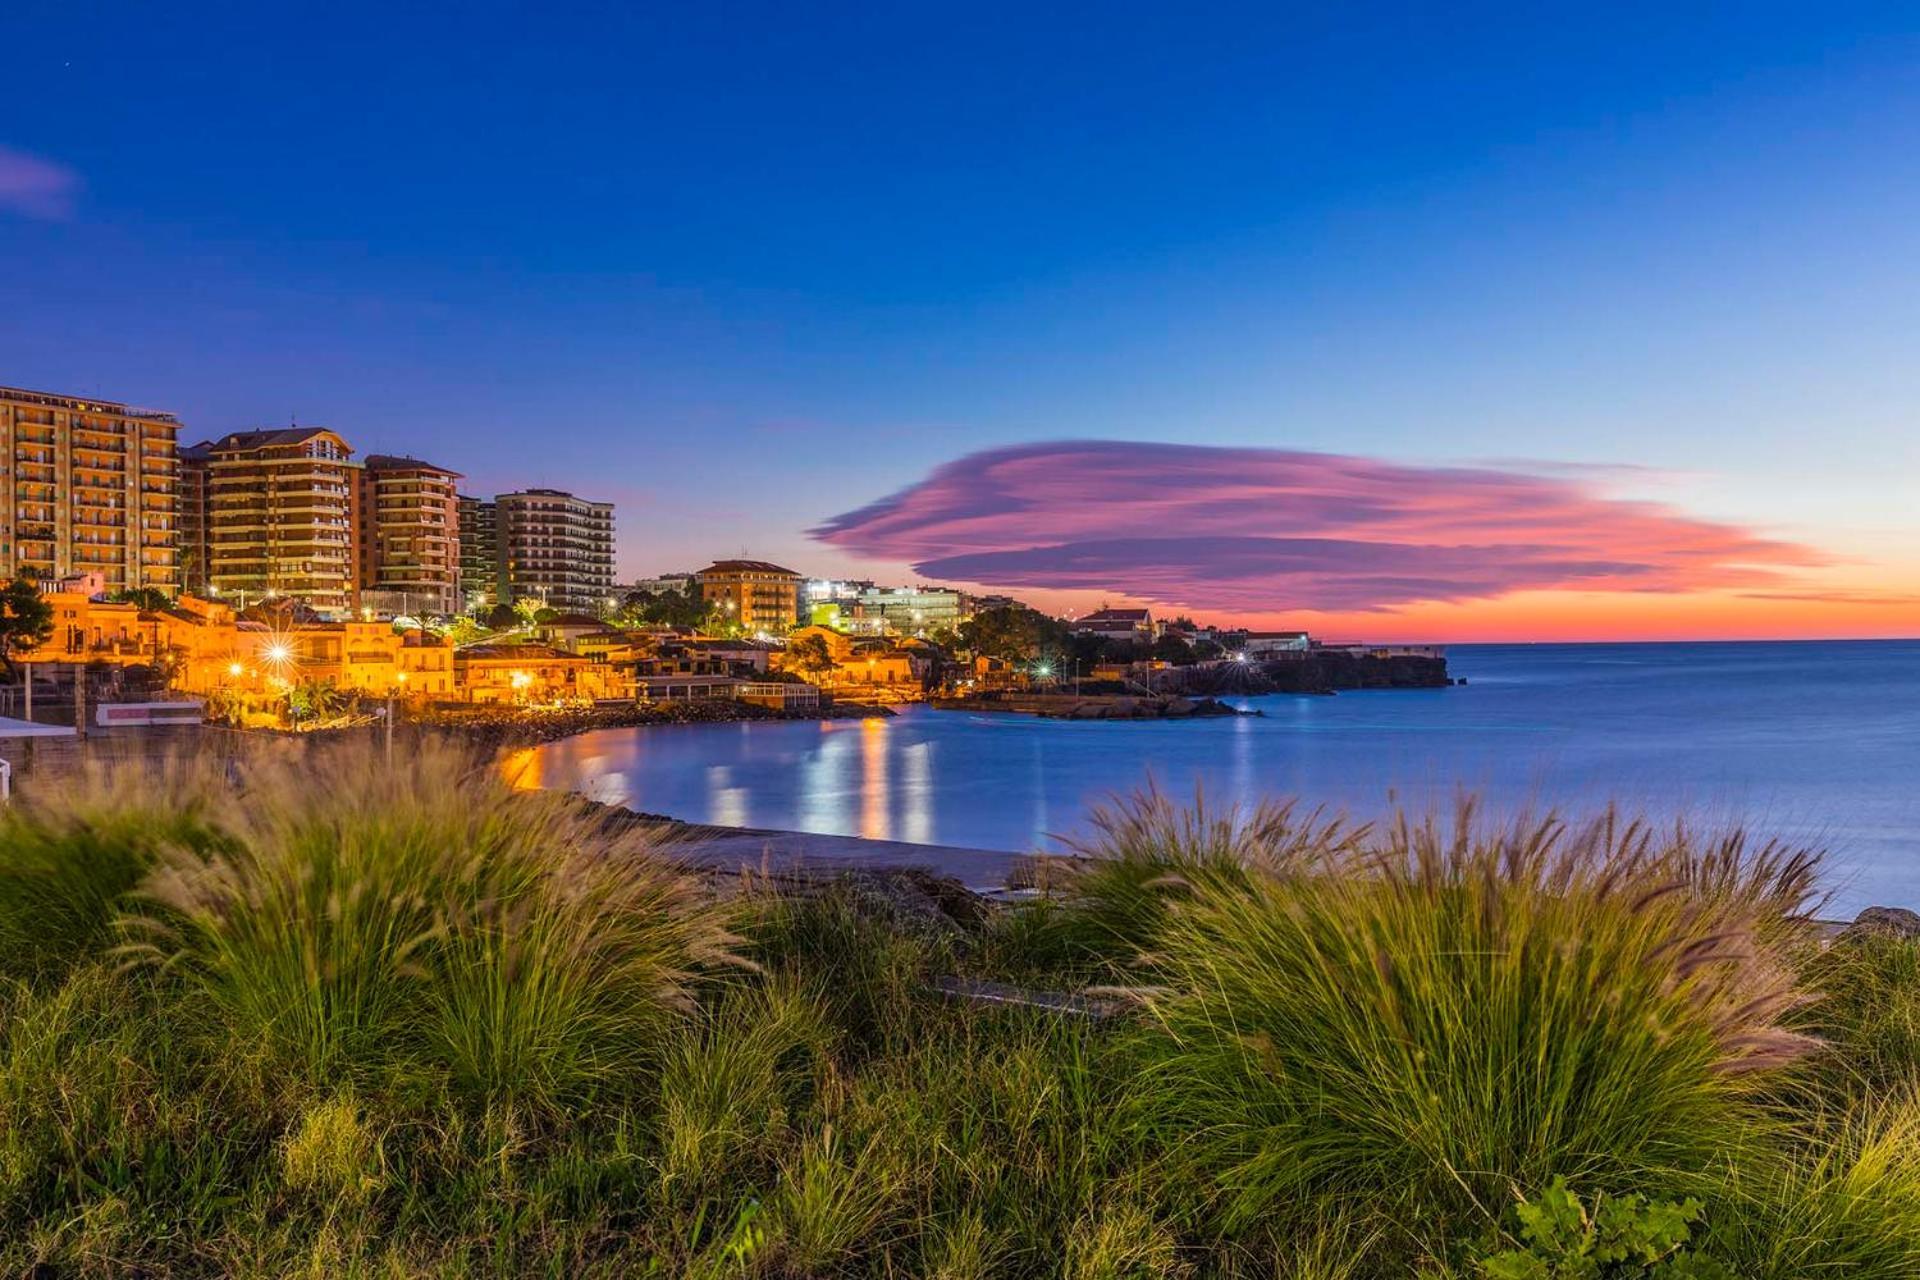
column 84, row 404
column 746, row 566
column 398, row 462
column 273, row 436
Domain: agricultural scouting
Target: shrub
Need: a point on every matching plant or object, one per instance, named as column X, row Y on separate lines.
column 368, row 919
column 1844, row 1202
column 70, row 854
column 1622, row 1238
column 1145, row 853
column 1464, row 1013
column 1868, row 1011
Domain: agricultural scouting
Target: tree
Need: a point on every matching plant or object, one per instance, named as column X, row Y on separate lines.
column 26, row 620
column 149, row 599
column 463, row 631
column 668, row 608
column 810, row 655
column 1013, row 633
column 502, row 617
column 1171, row 648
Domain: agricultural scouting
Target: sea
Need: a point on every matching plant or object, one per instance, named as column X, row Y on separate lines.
column 1812, row 743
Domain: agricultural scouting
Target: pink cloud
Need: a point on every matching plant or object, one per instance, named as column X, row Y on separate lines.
column 36, row 188
column 1263, row 529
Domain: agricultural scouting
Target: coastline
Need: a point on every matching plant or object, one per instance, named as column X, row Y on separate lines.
column 522, row 728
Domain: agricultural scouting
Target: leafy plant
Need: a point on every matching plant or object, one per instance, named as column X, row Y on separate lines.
column 1622, row 1238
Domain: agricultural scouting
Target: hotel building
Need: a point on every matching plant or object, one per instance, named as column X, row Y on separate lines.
column 555, row 548
column 408, row 528
column 757, row 595
column 279, row 518
column 88, row 487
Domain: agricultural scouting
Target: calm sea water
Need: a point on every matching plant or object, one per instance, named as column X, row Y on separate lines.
column 1815, row 742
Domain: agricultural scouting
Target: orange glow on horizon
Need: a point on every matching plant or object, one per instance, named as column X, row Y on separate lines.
column 1826, row 611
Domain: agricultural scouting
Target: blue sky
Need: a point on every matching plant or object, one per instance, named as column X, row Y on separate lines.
column 741, row 268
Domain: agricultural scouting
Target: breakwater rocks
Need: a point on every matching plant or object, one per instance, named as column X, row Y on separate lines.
column 1321, row 671
column 510, row 727
column 1068, row 706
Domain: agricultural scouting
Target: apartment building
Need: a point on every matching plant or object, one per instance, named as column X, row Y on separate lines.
column 87, row 486
column 407, row 526
column 554, row 548
column 190, row 521
column 279, row 518
column 479, row 552
column 756, row 594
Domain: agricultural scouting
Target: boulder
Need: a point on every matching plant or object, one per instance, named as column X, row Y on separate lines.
column 1885, row 922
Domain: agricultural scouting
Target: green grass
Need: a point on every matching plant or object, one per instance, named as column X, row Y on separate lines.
column 351, row 1020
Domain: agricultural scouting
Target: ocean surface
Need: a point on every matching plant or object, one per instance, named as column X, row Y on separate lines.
column 1817, row 743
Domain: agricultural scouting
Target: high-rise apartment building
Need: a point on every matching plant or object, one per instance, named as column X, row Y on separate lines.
column 279, row 518
column 87, row 486
column 407, row 525
column 753, row 593
column 190, row 522
column 555, row 548
column 479, row 552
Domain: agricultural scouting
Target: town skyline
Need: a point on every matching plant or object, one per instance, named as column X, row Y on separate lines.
column 1652, row 277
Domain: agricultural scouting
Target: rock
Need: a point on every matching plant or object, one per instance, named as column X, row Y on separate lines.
column 1884, row 922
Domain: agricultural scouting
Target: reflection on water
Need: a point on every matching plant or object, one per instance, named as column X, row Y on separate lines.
column 1817, row 742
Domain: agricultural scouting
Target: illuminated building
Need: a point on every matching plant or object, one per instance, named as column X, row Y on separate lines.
column 554, row 548
column 408, row 527
column 90, row 488
column 479, row 552
column 755, row 594
column 280, row 517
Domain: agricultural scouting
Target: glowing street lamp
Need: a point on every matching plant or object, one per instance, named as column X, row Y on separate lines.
column 234, row 669
column 278, row 651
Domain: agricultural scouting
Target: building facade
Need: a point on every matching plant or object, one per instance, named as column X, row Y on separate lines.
column 190, row 521
column 408, row 530
column 554, row 548
column 279, row 518
column 912, row 610
column 755, row 594
column 90, row 487
column 479, row 552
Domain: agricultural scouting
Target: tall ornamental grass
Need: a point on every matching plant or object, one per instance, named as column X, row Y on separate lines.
column 366, row 919
column 69, row 856
column 1449, row 1018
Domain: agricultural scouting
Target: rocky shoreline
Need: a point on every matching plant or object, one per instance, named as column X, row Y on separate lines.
column 508, row 727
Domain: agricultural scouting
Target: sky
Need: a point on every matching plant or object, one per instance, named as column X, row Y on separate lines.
column 1400, row 323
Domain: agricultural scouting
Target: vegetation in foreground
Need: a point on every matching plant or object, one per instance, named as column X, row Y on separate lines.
column 332, row 1018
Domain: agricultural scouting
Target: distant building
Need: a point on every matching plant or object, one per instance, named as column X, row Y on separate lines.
column 760, row 596
column 408, row 522
column 280, row 517
column 912, row 610
column 92, row 488
column 1275, row 644
column 1126, row 626
column 479, row 551
column 664, row 584
column 190, row 520
column 556, row 549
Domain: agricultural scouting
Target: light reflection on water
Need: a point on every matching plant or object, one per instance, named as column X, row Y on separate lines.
column 1814, row 741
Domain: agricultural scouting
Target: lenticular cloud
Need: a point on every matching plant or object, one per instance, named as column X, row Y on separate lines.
column 1258, row 529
